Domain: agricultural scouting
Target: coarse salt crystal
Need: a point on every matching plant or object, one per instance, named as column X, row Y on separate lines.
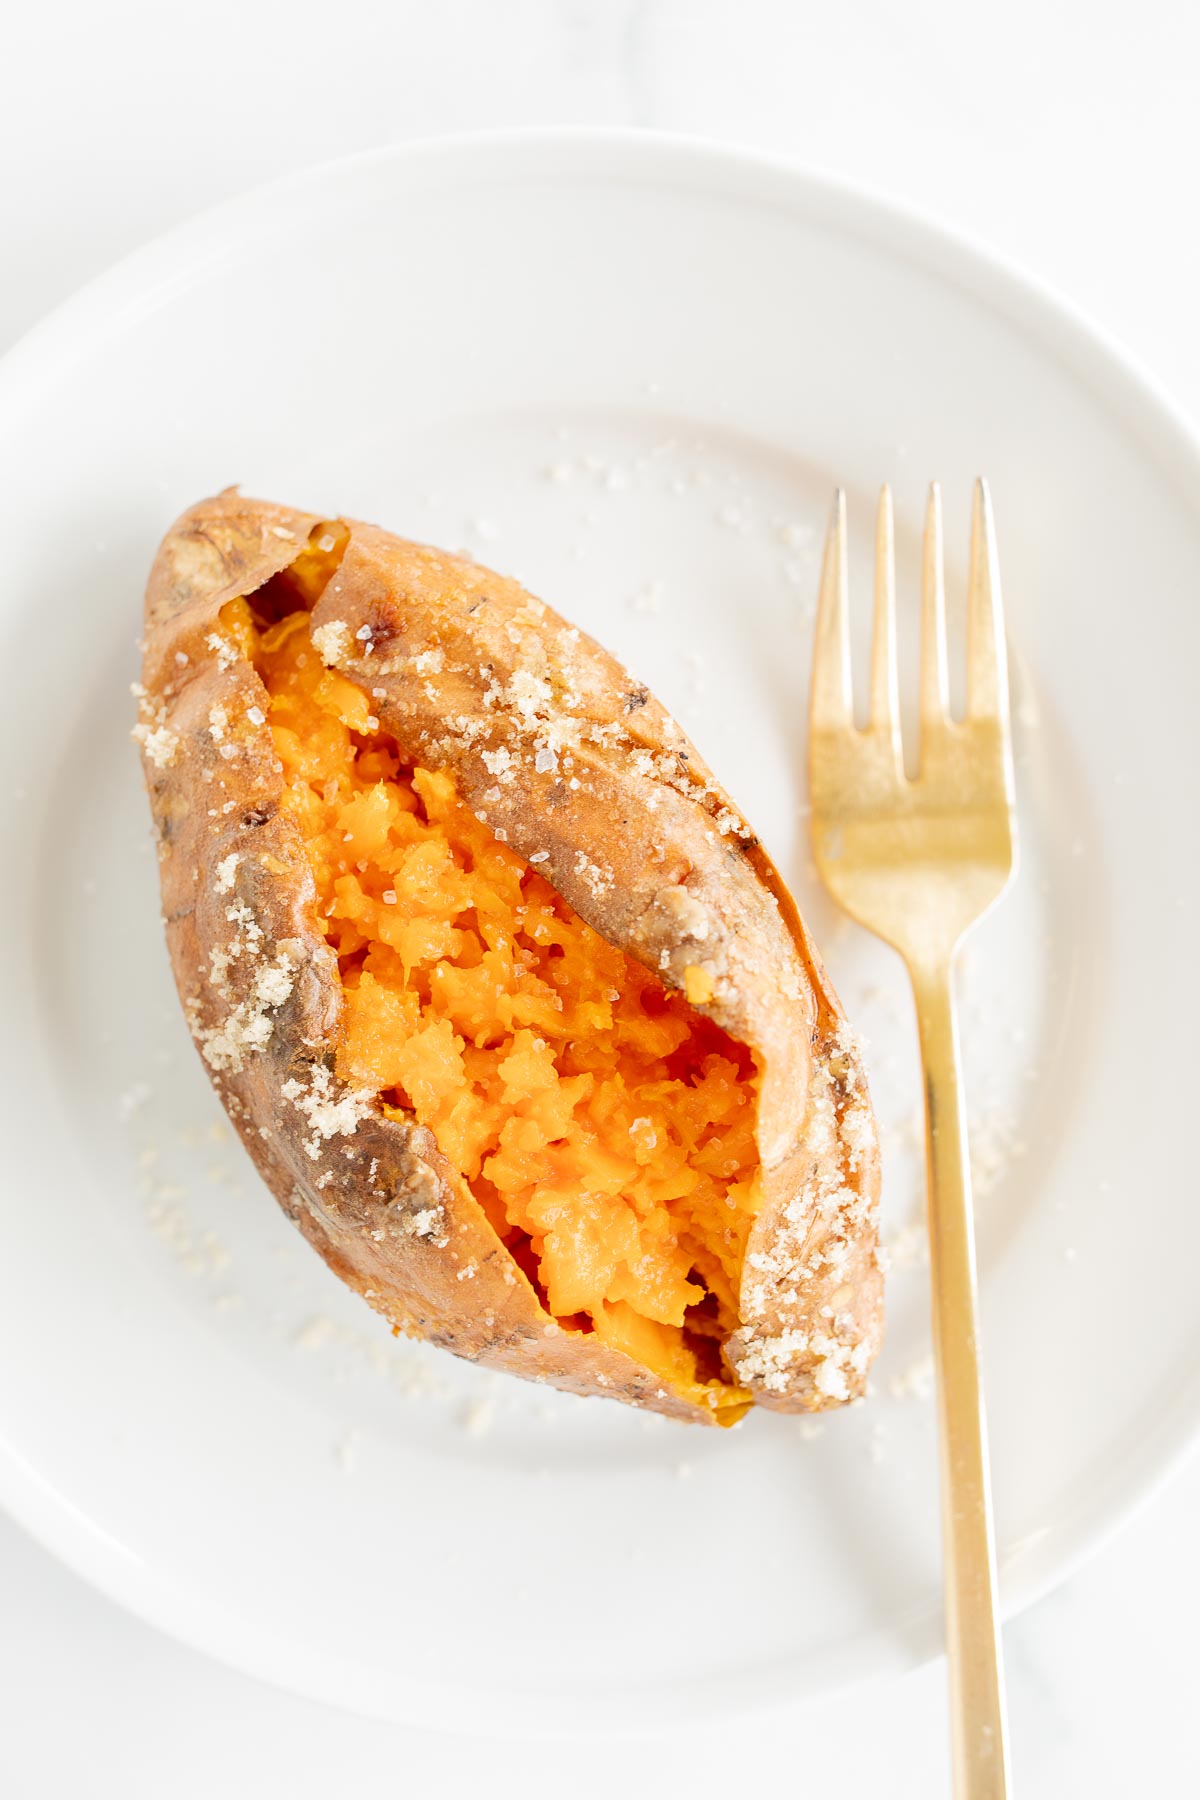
column 226, row 873
column 331, row 640
column 160, row 744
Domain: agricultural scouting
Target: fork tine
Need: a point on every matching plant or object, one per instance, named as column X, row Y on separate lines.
column 987, row 672
column 934, row 688
column 830, row 704
column 885, row 695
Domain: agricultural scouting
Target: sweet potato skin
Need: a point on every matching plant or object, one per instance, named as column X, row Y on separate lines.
column 470, row 673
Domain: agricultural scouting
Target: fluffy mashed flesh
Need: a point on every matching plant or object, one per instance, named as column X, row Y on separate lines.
column 606, row 1127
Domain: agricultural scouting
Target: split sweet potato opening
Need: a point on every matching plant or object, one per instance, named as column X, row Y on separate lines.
column 606, row 1128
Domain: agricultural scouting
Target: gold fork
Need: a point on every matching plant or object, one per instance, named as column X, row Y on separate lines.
column 918, row 862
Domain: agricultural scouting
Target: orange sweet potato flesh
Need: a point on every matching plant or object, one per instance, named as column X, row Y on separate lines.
column 511, row 1010
column 597, row 1118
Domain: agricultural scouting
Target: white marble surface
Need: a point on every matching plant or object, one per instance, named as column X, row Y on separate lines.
column 1065, row 137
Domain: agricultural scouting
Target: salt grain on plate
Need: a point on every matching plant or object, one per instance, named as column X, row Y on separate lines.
column 318, row 1331
column 477, row 1418
column 132, row 1100
column 915, row 1382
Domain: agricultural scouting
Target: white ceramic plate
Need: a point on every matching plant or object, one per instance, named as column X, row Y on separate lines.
column 629, row 371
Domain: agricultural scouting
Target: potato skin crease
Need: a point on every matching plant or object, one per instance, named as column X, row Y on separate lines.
column 470, row 673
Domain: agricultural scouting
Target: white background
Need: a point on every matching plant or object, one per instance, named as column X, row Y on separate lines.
column 1066, row 137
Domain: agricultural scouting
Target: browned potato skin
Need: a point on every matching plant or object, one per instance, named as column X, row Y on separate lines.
column 647, row 848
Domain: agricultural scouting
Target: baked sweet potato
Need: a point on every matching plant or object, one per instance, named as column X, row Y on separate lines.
column 509, row 1006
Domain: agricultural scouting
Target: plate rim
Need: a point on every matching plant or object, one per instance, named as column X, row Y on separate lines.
column 1117, row 377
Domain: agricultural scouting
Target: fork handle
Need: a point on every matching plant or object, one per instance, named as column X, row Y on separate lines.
column 978, row 1728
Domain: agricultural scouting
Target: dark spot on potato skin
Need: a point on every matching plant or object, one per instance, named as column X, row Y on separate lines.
column 449, row 1340
column 260, row 815
column 386, row 631
column 168, row 809
column 635, row 698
